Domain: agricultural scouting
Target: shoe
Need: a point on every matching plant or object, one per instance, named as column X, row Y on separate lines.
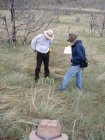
column 79, row 91
column 36, row 79
column 47, row 77
column 58, row 91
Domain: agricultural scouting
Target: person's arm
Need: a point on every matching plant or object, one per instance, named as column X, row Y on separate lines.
column 81, row 52
column 82, row 55
column 50, row 43
column 34, row 42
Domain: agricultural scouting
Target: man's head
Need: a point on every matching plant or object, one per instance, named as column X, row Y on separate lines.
column 72, row 37
column 49, row 34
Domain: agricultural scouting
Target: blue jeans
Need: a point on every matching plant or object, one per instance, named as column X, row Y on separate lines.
column 73, row 71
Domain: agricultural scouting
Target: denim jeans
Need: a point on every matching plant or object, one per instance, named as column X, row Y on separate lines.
column 73, row 71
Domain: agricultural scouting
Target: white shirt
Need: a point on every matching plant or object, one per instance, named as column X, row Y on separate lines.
column 41, row 44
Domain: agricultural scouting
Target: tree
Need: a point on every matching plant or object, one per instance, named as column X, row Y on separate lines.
column 97, row 24
column 24, row 22
column 13, row 20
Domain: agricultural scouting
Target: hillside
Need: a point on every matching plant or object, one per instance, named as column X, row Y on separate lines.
column 100, row 4
column 97, row 4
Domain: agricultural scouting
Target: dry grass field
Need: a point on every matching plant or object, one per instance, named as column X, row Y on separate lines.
column 23, row 104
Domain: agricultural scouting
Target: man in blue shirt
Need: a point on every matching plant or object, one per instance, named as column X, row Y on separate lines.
column 78, row 56
column 41, row 44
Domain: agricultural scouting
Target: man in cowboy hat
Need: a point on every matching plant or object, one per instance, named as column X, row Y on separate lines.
column 41, row 44
column 78, row 56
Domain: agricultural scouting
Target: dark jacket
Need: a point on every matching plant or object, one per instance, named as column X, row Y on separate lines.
column 78, row 53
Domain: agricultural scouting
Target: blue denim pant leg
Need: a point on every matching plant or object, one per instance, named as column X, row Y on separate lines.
column 79, row 79
column 68, row 75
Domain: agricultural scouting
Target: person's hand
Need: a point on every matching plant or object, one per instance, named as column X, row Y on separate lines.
column 50, row 50
column 69, row 61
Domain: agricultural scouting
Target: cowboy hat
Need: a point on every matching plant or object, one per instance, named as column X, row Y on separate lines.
column 49, row 34
column 48, row 130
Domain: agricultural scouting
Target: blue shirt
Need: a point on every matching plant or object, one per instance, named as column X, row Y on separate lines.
column 78, row 53
column 41, row 44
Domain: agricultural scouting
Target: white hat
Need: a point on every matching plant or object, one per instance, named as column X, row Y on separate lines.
column 49, row 34
column 48, row 130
